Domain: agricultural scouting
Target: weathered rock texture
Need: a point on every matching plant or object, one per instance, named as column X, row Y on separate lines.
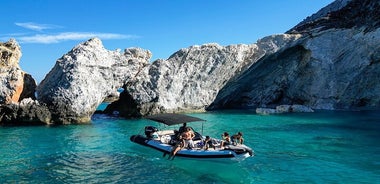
column 191, row 78
column 328, row 61
column 15, row 84
column 84, row 77
column 26, row 112
column 334, row 65
column 188, row 80
column 342, row 14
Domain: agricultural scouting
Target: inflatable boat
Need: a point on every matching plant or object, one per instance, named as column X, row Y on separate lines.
column 166, row 140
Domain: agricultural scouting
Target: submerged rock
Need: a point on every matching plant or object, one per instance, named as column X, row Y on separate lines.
column 293, row 108
column 84, row 77
column 283, row 109
column 266, row 111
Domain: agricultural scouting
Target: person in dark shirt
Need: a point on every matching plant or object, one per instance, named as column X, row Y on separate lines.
column 182, row 129
column 208, row 143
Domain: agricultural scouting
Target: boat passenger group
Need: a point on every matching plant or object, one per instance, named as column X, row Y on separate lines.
column 185, row 136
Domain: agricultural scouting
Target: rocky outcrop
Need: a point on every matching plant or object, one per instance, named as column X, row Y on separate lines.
column 330, row 60
column 317, row 64
column 334, row 65
column 283, row 109
column 342, row 14
column 15, row 84
column 26, row 112
column 84, row 77
column 190, row 79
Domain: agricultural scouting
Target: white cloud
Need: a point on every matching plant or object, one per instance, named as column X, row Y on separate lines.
column 48, row 38
column 67, row 36
column 36, row 27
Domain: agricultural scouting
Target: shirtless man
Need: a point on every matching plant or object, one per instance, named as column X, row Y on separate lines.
column 237, row 138
column 226, row 140
column 188, row 137
column 185, row 139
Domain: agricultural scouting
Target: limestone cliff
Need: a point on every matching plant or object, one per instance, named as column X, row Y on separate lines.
column 17, row 90
column 334, row 65
column 15, row 84
column 190, row 79
column 84, row 77
column 331, row 60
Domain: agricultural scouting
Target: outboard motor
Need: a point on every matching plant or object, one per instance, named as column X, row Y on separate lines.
column 149, row 130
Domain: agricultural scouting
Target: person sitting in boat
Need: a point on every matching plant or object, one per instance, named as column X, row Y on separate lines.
column 226, row 140
column 208, row 143
column 237, row 138
column 186, row 141
column 180, row 131
column 151, row 132
column 178, row 146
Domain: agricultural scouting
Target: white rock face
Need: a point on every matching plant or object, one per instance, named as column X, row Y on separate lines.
column 344, row 74
column 329, row 69
column 10, row 53
column 329, row 61
column 15, row 84
column 85, row 76
column 191, row 78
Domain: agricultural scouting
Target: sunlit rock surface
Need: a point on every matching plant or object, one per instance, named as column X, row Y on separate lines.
column 328, row 61
column 84, row 77
column 191, row 78
column 334, row 65
column 15, row 84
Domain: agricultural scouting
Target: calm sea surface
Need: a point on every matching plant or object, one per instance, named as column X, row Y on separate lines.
column 320, row 147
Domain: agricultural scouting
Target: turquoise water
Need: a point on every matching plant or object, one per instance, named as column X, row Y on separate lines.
column 321, row 147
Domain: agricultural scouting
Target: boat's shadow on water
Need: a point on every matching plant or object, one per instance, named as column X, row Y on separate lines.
column 213, row 170
column 198, row 170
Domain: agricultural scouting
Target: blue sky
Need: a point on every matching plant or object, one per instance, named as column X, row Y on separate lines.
column 47, row 29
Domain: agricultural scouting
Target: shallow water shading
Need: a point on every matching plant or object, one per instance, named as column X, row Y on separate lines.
column 321, row 147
